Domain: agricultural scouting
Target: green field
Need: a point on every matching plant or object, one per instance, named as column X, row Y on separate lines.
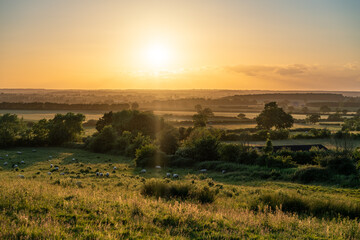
column 78, row 204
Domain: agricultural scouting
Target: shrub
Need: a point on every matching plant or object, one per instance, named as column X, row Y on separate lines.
column 150, row 156
column 103, row 141
column 179, row 161
column 312, row 174
column 339, row 163
column 136, row 143
column 169, row 141
column 229, row 152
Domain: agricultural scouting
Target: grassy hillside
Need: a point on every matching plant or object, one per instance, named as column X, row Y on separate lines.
column 79, row 204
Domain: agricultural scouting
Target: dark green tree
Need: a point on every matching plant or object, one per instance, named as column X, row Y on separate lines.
column 200, row 119
column 104, row 121
column 273, row 116
column 65, row 128
column 11, row 129
column 313, row 118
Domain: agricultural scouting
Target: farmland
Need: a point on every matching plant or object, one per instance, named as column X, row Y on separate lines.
column 80, row 204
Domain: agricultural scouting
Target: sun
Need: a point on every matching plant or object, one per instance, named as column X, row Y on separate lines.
column 158, row 55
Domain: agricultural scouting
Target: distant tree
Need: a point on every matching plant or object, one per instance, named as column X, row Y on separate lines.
column 313, row 118
column 104, row 121
column 134, row 106
column 241, row 116
column 325, row 109
column 335, row 117
column 273, row 116
column 305, row 110
column 200, row 119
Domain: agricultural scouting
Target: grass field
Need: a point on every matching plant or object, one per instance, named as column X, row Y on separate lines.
column 78, row 204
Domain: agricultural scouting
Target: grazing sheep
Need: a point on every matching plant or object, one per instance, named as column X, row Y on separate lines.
column 22, row 162
column 168, row 175
column 158, row 167
column 50, row 157
column 49, row 173
column 114, row 168
column 107, row 174
column 175, row 175
column 203, row 170
column 56, row 168
column 21, row 176
column 51, row 165
column 101, row 174
column 15, row 166
column 62, row 173
column 74, row 159
column 223, row 171
column 143, row 171
column 97, row 174
column 19, row 152
column 6, row 155
column 34, row 150
column 1, row 158
column 5, row 163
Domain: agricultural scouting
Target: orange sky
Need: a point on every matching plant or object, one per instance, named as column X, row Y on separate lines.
column 229, row 44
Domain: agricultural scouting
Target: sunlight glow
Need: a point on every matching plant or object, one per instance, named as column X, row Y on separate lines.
column 158, row 55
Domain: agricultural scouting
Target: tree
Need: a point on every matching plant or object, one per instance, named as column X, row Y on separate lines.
column 104, row 121
column 273, row 116
column 200, row 119
column 241, row 116
column 11, row 129
column 325, row 109
column 134, row 106
column 313, row 118
column 169, row 140
column 65, row 128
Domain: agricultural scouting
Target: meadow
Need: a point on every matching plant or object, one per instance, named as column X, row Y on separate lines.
column 73, row 202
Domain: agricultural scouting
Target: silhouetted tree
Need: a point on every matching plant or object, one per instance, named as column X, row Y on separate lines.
column 273, row 116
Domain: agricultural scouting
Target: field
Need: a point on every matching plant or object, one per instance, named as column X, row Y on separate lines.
column 78, row 204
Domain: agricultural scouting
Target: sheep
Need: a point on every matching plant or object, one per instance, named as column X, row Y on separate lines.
column 74, row 159
column 21, row 176
column 15, row 166
column 158, row 167
column 203, row 170
column 51, row 165
column 34, row 150
column 101, row 174
column 175, row 175
column 114, row 168
column 107, row 174
column 56, row 168
column 1, row 158
column 22, row 162
column 97, row 174
column 223, row 171
column 168, row 175
column 5, row 163
column 49, row 173
column 50, row 157
column 62, row 173
column 6, row 155
column 143, row 171
column 19, row 152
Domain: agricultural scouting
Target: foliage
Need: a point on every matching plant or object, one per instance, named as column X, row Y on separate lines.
column 104, row 121
column 325, row 109
column 335, row 117
column 103, row 141
column 351, row 124
column 312, row 174
column 313, row 118
column 150, row 156
column 200, row 119
column 273, row 116
column 11, row 129
column 169, row 140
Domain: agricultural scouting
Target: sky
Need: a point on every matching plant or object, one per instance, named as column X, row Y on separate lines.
column 180, row 44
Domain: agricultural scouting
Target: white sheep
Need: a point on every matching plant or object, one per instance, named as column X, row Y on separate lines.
column 22, row 162
column 114, row 168
column 34, row 150
column 175, row 175
column 51, row 165
column 62, row 173
column 50, row 157
column 6, row 155
column 101, row 174
column 5, row 163
column 203, row 170
column 56, row 168
column 15, row 166
column 158, row 167
column 19, row 152
column 107, row 174
column 223, row 171
column 49, row 173
column 168, row 175
column 21, row 176
column 97, row 174
column 143, row 171
column 74, row 159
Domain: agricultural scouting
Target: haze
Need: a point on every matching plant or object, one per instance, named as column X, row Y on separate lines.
column 270, row 45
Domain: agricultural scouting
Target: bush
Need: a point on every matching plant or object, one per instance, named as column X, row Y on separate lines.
column 312, row 174
column 339, row 163
column 169, row 141
column 229, row 152
column 179, row 161
column 183, row 191
column 103, row 141
column 136, row 143
column 150, row 156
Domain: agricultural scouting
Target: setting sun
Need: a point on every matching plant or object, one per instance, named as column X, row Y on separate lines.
column 157, row 55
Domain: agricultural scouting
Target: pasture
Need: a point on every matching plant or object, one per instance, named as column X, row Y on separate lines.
column 72, row 202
